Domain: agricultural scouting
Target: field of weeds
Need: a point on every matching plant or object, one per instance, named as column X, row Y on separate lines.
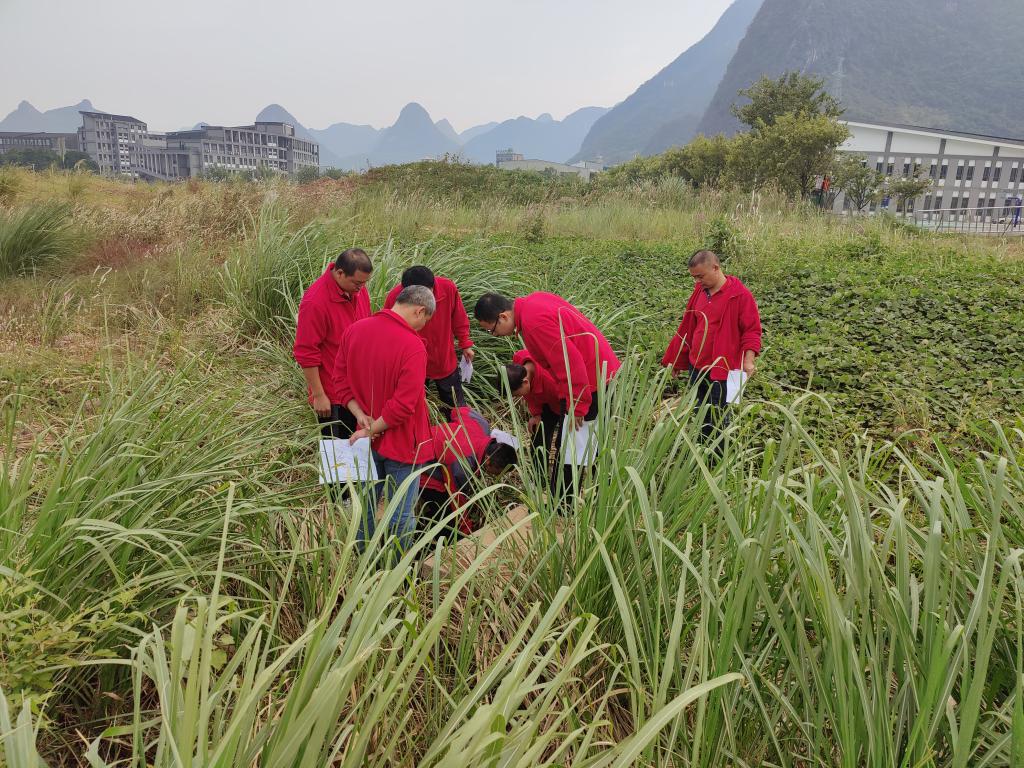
column 843, row 587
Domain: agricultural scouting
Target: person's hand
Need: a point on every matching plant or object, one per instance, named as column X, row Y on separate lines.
column 359, row 434
column 469, row 353
column 575, row 422
column 748, row 366
column 365, row 422
column 532, row 424
column 322, row 405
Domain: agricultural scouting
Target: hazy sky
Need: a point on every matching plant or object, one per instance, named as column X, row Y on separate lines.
column 173, row 63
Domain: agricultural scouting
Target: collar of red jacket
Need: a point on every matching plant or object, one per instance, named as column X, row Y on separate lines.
column 334, row 292
column 729, row 290
column 397, row 319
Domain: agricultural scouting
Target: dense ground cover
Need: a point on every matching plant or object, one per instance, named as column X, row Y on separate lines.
column 833, row 591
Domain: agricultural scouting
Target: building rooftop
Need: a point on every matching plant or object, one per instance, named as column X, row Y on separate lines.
column 120, row 118
column 939, row 132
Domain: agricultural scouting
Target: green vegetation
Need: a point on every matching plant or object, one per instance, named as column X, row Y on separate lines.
column 44, row 159
column 843, row 587
column 34, row 237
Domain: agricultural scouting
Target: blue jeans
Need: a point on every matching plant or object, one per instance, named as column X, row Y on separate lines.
column 402, row 523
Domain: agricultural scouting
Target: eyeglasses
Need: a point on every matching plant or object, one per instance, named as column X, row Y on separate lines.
column 492, row 330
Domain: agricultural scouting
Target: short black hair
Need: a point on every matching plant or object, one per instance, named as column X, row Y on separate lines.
column 353, row 260
column 515, row 374
column 489, row 306
column 498, row 456
column 418, row 275
column 701, row 257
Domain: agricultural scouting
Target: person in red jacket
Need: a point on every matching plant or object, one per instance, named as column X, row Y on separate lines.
column 449, row 320
column 561, row 340
column 379, row 371
column 720, row 332
column 534, row 385
column 463, row 447
column 336, row 300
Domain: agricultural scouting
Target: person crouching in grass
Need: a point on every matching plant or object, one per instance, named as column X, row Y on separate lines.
column 534, row 385
column 463, row 449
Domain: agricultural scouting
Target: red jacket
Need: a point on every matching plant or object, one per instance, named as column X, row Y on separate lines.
column 449, row 320
column 564, row 342
column 461, row 438
column 325, row 313
column 719, row 332
column 381, row 365
column 543, row 390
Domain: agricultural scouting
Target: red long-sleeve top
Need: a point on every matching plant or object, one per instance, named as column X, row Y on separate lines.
column 448, row 321
column 714, row 333
column 543, row 390
column 325, row 313
column 382, row 365
column 563, row 341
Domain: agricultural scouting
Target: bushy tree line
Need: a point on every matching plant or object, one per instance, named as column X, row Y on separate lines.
column 43, row 159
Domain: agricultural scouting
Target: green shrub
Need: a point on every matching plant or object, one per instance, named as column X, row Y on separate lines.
column 35, row 237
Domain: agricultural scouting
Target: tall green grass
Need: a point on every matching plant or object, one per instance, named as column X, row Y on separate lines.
column 35, row 237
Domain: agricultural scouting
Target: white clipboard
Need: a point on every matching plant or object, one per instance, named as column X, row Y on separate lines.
column 734, row 384
column 579, row 446
column 341, row 461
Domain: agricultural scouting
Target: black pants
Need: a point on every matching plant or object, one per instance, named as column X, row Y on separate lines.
column 712, row 394
column 340, row 424
column 449, row 389
column 434, row 505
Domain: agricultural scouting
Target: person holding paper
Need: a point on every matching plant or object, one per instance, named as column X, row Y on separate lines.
column 463, row 447
column 336, row 300
column 380, row 370
column 720, row 332
column 449, row 321
column 561, row 340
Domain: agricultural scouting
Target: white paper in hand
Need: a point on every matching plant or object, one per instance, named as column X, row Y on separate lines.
column 579, row 446
column 465, row 370
column 502, row 436
column 734, row 386
column 341, row 461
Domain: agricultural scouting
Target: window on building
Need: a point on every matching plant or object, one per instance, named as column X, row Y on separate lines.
column 928, row 203
column 965, row 203
column 997, row 173
column 890, row 169
column 986, row 174
column 970, row 172
column 906, row 168
column 959, row 173
column 1013, row 174
column 938, row 202
column 945, row 171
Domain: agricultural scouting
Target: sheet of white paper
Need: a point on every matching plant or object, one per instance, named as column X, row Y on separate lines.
column 505, row 437
column 579, row 447
column 734, row 386
column 341, row 461
column 465, row 370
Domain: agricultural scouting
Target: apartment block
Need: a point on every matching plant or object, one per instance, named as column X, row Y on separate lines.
column 53, row 142
column 123, row 145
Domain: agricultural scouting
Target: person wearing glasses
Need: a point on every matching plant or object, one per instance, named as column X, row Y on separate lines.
column 561, row 340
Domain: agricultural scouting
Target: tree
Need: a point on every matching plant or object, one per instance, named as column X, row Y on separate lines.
column 907, row 188
column 793, row 93
column 36, row 159
column 789, row 153
column 861, row 184
column 75, row 160
column 307, row 173
column 704, row 160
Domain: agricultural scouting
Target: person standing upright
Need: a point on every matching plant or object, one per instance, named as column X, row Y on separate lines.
column 720, row 332
column 380, row 370
column 336, row 300
column 449, row 322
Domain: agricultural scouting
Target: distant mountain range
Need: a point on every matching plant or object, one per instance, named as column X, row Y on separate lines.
column 27, row 118
column 913, row 62
column 666, row 109
column 948, row 64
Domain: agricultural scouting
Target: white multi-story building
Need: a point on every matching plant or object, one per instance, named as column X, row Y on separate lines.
column 973, row 176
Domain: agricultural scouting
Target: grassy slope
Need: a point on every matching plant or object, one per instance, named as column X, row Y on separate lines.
column 147, row 399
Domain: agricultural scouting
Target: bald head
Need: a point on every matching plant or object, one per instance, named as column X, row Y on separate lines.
column 702, row 258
